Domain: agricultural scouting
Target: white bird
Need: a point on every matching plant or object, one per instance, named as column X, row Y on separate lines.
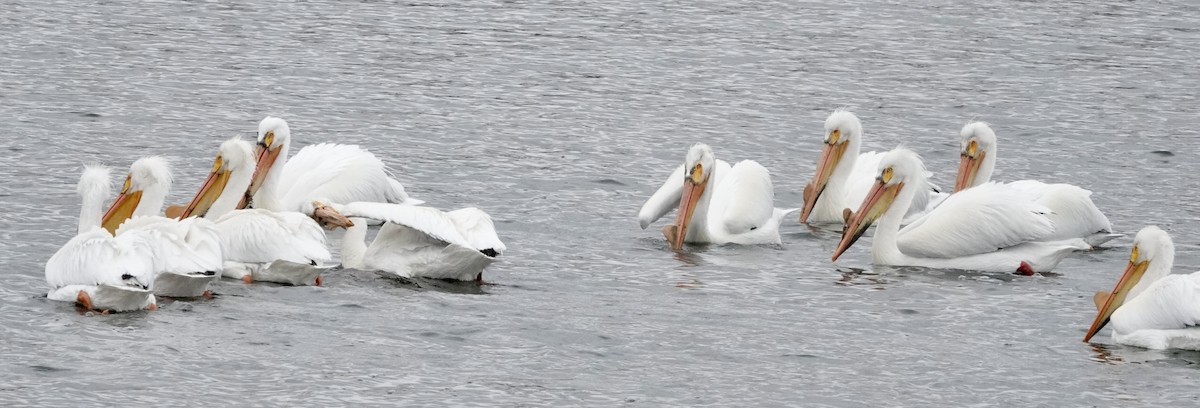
column 258, row 244
column 421, row 241
column 95, row 269
column 844, row 176
column 979, row 229
column 1071, row 209
column 1149, row 307
column 187, row 253
column 337, row 172
column 716, row 203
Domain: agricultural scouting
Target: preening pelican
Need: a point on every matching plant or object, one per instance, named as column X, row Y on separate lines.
column 716, row 203
column 1072, row 211
column 95, row 269
column 187, row 253
column 1149, row 307
column 982, row 228
column 337, row 172
column 421, row 241
column 844, row 176
column 258, row 244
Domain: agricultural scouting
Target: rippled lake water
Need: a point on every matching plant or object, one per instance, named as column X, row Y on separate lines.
column 560, row 118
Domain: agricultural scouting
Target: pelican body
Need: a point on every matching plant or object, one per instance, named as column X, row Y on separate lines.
column 975, row 230
column 1070, row 208
column 717, row 203
column 421, row 241
column 1149, row 307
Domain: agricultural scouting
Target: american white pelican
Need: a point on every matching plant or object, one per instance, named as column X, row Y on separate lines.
column 1071, row 208
column 258, row 244
column 337, row 172
column 95, row 269
column 187, row 253
column 844, row 176
column 421, row 241
column 1149, row 307
column 716, row 203
column 980, row 229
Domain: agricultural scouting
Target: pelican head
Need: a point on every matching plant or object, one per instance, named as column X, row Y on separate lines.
column 698, row 168
column 978, row 156
column 148, row 177
column 898, row 167
column 273, row 137
column 234, row 154
column 843, row 132
column 1151, row 258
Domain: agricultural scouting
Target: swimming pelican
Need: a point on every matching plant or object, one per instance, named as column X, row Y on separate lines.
column 421, row 241
column 95, row 269
column 1071, row 208
column 717, row 203
column 258, row 244
column 337, row 172
column 1149, row 307
column 187, row 253
column 844, row 176
column 978, row 229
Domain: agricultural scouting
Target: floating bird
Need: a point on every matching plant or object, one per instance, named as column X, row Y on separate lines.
column 1149, row 307
column 1071, row 209
column 342, row 173
column 96, row 269
column 421, row 241
column 716, row 203
column 982, row 228
column 844, row 176
column 259, row 244
column 187, row 253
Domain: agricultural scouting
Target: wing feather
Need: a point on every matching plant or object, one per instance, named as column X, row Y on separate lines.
column 975, row 221
column 260, row 236
column 663, row 200
column 744, row 198
column 339, row 173
column 478, row 229
column 430, row 221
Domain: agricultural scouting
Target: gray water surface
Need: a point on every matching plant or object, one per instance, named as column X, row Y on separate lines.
column 560, row 118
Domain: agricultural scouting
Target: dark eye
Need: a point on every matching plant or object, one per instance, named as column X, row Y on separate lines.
column 126, row 277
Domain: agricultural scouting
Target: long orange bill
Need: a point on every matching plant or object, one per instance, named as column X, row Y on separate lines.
column 677, row 232
column 968, row 168
column 1133, row 273
column 878, row 200
column 122, row 209
column 209, row 191
column 831, row 154
column 266, row 158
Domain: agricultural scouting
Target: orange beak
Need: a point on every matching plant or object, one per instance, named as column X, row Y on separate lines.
column 1111, row 302
column 122, row 209
column 266, row 158
column 212, row 188
column 968, row 168
column 831, row 154
column 878, row 200
column 692, row 191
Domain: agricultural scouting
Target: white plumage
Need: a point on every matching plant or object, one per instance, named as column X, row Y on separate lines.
column 1149, row 307
column 718, row 203
column 1069, row 208
column 978, row 229
column 421, row 241
column 94, row 268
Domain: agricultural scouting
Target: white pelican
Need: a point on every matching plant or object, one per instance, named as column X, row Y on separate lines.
column 95, row 269
column 337, row 172
column 421, row 241
column 1149, row 307
column 982, row 229
column 187, row 253
column 843, row 175
column 1071, row 208
column 258, row 244
column 717, row 203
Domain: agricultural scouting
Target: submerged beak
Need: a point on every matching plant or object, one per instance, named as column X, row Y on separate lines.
column 330, row 218
column 878, row 200
column 831, row 154
column 1107, row 303
column 212, row 188
column 968, row 168
column 266, row 158
column 676, row 232
column 121, row 209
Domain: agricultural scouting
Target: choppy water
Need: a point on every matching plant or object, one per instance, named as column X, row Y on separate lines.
column 559, row 119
